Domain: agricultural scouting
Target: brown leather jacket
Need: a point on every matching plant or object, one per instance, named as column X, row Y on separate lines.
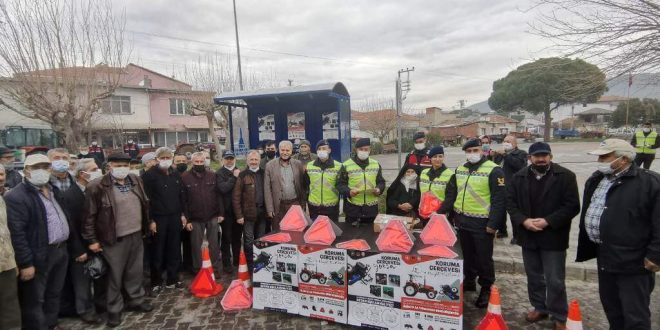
column 245, row 194
column 99, row 220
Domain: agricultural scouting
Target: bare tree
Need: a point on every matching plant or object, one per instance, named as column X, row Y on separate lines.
column 381, row 118
column 59, row 60
column 620, row 36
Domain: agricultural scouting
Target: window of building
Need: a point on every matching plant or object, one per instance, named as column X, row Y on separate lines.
column 178, row 106
column 117, row 105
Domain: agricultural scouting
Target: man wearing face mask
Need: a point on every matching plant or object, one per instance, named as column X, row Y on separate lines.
column 148, row 161
column 97, row 153
column 270, row 150
column 305, row 154
column 480, row 204
column 39, row 230
column 162, row 184
column 361, row 182
column 12, row 176
column 60, row 176
column 249, row 203
column 231, row 230
column 204, row 207
column 620, row 227
column 512, row 160
column 180, row 163
column 419, row 157
column 116, row 218
column 283, row 185
column 78, row 283
column 320, row 181
column 83, row 152
column 646, row 141
column 131, row 149
column 543, row 198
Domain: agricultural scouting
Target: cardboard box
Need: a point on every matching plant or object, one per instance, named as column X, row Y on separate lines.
column 322, row 283
column 275, row 275
column 382, row 220
column 374, row 289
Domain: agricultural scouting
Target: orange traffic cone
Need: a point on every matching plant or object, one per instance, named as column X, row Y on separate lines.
column 493, row 319
column 204, row 284
column 574, row 321
column 243, row 273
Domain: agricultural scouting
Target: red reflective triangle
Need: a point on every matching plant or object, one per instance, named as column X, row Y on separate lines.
column 395, row 238
column 438, row 251
column 320, row 232
column 277, row 238
column 237, row 297
column 438, row 231
column 354, row 244
column 294, row 219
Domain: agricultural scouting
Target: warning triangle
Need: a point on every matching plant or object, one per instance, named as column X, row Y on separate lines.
column 438, row 231
column 428, row 203
column 294, row 219
column 438, row 251
column 323, row 231
column 395, row 238
column 354, row 244
column 277, row 238
column 237, row 297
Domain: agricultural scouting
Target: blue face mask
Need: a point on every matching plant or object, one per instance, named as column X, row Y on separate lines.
column 485, row 146
column 60, row 165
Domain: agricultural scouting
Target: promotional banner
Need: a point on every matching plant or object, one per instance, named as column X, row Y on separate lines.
column 296, row 123
column 275, row 277
column 266, row 127
column 322, row 284
column 330, row 125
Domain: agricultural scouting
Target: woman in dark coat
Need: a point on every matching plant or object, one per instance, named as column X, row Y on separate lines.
column 403, row 194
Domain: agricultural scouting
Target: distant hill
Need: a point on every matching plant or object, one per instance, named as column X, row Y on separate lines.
column 645, row 85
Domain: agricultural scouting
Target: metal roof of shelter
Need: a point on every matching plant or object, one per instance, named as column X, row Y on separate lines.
column 336, row 89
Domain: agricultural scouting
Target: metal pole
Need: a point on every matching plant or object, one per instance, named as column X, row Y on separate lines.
column 398, row 117
column 238, row 49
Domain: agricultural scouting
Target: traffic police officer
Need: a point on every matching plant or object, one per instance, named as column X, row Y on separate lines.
column 361, row 182
column 646, row 142
column 436, row 178
column 478, row 195
column 320, row 180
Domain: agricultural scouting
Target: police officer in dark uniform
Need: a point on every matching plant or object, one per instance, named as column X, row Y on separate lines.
column 131, row 149
column 419, row 156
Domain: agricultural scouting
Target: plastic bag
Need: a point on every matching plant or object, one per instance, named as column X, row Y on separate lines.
column 428, row 203
column 95, row 267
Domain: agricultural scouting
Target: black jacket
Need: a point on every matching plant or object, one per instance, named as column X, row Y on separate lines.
column 164, row 191
column 226, row 182
column 74, row 206
column 561, row 203
column 13, row 178
column 26, row 218
column 512, row 162
column 630, row 224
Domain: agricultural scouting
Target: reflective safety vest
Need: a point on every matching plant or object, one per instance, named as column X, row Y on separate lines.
column 363, row 180
column 644, row 143
column 438, row 186
column 322, row 191
column 473, row 190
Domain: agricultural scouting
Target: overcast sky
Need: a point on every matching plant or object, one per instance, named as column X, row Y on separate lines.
column 458, row 48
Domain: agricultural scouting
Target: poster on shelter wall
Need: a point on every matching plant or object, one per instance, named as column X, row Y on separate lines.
column 330, row 125
column 266, row 125
column 296, row 123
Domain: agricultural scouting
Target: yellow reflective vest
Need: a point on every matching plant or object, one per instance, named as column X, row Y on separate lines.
column 364, row 180
column 322, row 191
column 645, row 143
column 438, row 186
column 473, row 197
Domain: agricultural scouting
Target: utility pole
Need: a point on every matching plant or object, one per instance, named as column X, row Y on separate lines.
column 402, row 89
column 238, row 49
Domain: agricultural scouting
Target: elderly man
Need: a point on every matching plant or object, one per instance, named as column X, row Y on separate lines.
column 543, row 198
column 270, row 151
column 39, row 231
column 419, row 157
column 512, row 160
column 305, row 154
column 10, row 312
column 283, row 184
column 620, row 226
column 203, row 207
column 231, row 230
column 163, row 186
column 12, row 176
column 60, row 177
column 361, row 182
column 3, row 180
column 148, row 161
column 249, row 203
column 74, row 201
column 116, row 217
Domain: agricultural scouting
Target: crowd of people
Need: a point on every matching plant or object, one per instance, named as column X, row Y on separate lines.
column 154, row 215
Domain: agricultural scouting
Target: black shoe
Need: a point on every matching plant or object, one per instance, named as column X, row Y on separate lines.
column 484, row 297
column 228, row 269
column 469, row 287
column 175, row 285
column 156, row 290
column 502, row 234
column 91, row 318
column 144, row 307
column 114, row 320
column 514, row 241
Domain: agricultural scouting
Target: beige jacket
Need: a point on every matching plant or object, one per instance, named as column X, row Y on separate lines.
column 273, row 184
column 7, row 260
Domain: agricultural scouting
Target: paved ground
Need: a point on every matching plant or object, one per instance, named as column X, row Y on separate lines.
column 177, row 309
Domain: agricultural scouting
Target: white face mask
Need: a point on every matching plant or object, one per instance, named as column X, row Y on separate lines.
column 254, row 169
column 84, row 152
column 39, row 177
column 230, row 168
column 120, row 173
column 420, row 146
column 363, row 155
column 606, row 168
column 646, row 130
column 507, row 146
column 165, row 164
column 207, row 162
column 60, row 165
column 135, row 172
column 260, row 151
column 94, row 175
column 323, row 154
column 473, row 158
column 411, row 177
